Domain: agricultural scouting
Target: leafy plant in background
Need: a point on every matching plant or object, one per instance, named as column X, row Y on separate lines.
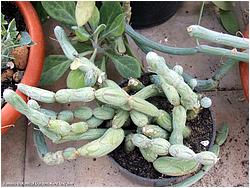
column 96, row 33
column 227, row 16
column 10, row 40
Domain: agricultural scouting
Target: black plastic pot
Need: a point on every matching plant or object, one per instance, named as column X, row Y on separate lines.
column 151, row 13
column 160, row 181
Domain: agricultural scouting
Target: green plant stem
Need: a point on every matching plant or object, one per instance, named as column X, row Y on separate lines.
column 240, row 56
column 92, row 58
column 185, row 51
column 154, row 45
column 202, row 85
column 223, row 69
column 217, row 37
column 201, row 12
column 85, row 53
column 199, row 20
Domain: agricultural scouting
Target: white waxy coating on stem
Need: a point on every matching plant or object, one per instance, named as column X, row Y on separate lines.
column 178, row 69
column 206, row 102
column 85, row 94
column 189, row 99
column 111, row 139
column 193, row 83
column 33, row 104
column 220, row 38
column 181, row 151
column 37, row 93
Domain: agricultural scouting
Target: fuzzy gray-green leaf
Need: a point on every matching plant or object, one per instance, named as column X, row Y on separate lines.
column 75, row 79
column 172, row 166
column 109, row 11
column 127, row 66
column 54, row 67
column 63, row 11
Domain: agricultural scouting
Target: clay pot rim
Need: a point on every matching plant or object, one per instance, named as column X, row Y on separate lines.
column 34, row 67
column 162, row 181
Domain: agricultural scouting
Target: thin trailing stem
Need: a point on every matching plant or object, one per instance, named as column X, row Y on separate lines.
column 199, row 20
column 201, row 12
column 92, row 58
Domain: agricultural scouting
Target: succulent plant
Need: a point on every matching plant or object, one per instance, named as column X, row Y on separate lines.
column 159, row 135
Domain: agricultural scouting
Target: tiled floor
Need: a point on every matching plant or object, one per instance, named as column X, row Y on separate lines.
column 21, row 164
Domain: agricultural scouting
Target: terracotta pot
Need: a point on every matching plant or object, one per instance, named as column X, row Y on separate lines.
column 244, row 70
column 35, row 61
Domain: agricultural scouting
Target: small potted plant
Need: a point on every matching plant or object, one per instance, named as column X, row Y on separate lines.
column 158, row 134
column 33, row 56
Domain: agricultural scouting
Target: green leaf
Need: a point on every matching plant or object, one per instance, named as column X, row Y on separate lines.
column 95, row 18
column 116, row 28
column 81, row 46
column 75, row 79
column 25, row 38
column 126, row 65
column 81, row 34
column 54, row 67
column 121, row 48
column 83, row 11
column 63, row 11
column 109, row 11
column 101, row 64
column 3, row 21
column 43, row 15
column 222, row 134
column 229, row 21
column 224, row 5
column 12, row 30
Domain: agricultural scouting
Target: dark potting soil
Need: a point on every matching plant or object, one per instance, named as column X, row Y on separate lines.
column 201, row 130
column 10, row 11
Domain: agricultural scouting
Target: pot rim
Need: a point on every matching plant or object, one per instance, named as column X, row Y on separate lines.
column 34, row 67
column 162, row 181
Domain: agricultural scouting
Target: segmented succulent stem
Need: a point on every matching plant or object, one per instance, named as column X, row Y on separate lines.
column 217, row 37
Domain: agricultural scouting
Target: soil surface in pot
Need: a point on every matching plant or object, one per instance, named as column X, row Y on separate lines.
column 10, row 77
column 201, row 127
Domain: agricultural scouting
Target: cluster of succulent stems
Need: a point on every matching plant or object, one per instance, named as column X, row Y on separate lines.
column 159, row 135
column 239, row 51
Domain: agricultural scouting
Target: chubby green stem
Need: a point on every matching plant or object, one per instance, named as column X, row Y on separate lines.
column 202, row 85
column 223, row 69
column 233, row 54
column 216, row 37
column 185, row 51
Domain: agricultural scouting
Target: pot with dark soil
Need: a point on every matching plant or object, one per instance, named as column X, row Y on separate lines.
column 134, row 166
column 22, row 53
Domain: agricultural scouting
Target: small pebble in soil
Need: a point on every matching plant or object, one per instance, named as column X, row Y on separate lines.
column 17, row 76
